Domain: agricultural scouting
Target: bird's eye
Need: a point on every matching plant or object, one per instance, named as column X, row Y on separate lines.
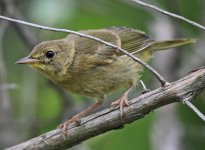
column 50, row 54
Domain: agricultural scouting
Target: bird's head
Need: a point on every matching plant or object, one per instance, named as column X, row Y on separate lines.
column 50, row 57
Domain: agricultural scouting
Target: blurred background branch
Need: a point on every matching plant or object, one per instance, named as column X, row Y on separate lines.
column 167, row 122
column 8, row 129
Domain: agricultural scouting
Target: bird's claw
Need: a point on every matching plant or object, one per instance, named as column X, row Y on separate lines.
column 123, row 101
column 65, row 125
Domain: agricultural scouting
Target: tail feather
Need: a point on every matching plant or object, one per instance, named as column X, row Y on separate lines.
column 156, row 46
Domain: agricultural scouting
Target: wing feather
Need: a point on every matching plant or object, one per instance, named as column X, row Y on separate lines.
column 132, row 40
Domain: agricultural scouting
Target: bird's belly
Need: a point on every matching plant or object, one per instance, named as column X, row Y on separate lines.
column 94, row 87
column 104, row 79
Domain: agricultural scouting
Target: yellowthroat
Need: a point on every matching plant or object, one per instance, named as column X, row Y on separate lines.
column 85, row 66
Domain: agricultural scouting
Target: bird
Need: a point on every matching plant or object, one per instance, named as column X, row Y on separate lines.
column 88, row 67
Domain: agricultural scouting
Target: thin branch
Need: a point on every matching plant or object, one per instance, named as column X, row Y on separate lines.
column 107, row 119
column 193, row 108
column 26, row 34
column 170, row 14
column 159, row 77
column 143, row 85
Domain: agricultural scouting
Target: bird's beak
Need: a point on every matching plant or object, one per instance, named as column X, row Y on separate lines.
column 27, row 60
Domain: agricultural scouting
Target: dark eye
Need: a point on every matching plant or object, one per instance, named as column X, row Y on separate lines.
column 50, row 54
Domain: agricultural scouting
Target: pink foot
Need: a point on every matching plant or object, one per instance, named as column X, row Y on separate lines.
column 121, row 102
column 66, row 124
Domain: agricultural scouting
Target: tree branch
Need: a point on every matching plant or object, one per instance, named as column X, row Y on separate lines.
column 106, row 120
column 170, row 14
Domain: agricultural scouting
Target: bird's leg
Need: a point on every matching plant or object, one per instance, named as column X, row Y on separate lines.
column 83, row 113
column 121, row 102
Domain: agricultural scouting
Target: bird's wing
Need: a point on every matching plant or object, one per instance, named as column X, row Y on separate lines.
column 132, row 40
column 93, row 52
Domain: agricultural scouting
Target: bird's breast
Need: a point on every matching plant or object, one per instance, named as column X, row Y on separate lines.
column 97, row 81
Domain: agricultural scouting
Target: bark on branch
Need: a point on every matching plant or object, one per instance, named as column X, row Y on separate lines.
column 106, row 120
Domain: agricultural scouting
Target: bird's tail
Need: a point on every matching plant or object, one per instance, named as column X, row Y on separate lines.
column 163, row 45
column 157, row 46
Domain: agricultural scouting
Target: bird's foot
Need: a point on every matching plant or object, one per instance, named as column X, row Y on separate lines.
column 65, row 125
column 121, row 102
column 76, row 118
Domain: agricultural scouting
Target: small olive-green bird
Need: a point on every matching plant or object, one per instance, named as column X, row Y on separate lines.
column 85, row 66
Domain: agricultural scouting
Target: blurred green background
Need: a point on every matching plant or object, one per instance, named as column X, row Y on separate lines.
column 31, row 105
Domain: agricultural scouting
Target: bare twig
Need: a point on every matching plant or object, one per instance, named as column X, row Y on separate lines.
column 193, row 108
column 159, row 77
column 25, row 32
column 143, row 85
column 107, row 119
column 170, row 14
